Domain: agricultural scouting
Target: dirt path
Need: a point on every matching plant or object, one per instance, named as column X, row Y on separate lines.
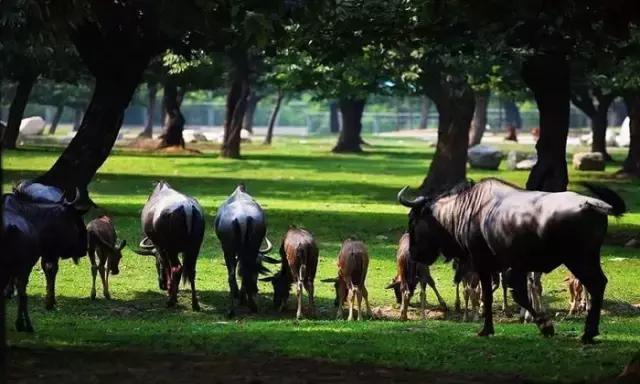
column 123, row 367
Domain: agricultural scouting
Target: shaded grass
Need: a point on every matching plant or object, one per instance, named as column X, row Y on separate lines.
column 335, row 196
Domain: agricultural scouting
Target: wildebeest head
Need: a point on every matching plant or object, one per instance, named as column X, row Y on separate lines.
column 395, row 285
column 424, row 242
column 147, row 248
column 115, row 256
column 281, row 284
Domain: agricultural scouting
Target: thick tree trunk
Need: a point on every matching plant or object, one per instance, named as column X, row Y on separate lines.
column 455, row 103
column 334, row 122
column 174, row 121
column 599, row 124
column 583, row 99
column 16, row 111
column 273, row 118
column 425, row 107
column 631, row 164
column 78, row 114
column 548, row 77
column 152, row 88
column 56, row 119
column 236, row 107
column 349, row 140
column 479, row 122
column 252, row 105
column 3, row 329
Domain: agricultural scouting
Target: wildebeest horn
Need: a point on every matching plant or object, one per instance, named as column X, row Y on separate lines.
column 121, row 245
column 267, row 279
column 144, row 252
column 270, row 260
column 269, row 246
column 146, row 243
column 392, row 285
column 75, row 199
column 332, row 280
column 417, row 202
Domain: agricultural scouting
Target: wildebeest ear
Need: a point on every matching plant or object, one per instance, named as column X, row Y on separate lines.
column 393, row 284
column 267, row 279
column 332, row 280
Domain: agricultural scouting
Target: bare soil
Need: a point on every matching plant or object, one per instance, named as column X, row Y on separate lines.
column 39, row 365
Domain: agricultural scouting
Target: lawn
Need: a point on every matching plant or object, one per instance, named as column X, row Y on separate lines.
column 335, row 196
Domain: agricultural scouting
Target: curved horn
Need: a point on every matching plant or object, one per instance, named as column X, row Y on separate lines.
column 417, row 202
column 392, row 285
column 146, row 243
column 144, row 252
column 269, row 246
column 75, row 200
column 121, row 245
column 270, row 260
column 333, row 280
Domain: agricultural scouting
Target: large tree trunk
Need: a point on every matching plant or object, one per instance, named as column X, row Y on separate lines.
column 56, row 119
column 77, row 119
column 455, row 103
column 583, row 99
column 479, row 122
column 334, row 122
column 273, row 118
column 548, row 77
column 124, row 53
column 174, row 121
column 252, row 105
column 152, row 88
column 16, row 111
column 425, row 107
column 3, row 329
column 349, row 140
column 631, row 164
column 236, row 107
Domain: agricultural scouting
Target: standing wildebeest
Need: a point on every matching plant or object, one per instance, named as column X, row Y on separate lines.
column 498, row 226
column 102, row 242
column 36, row 227
column 579, row 295
column 173, row 223
column 241, row 227
column 299, row 261
column 409, row 273
column 353, row 263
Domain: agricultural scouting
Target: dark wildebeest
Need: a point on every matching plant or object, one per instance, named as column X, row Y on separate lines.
column 173, row 223
column 36, row 227
column 353, row 263
column 497, row 226
column 299, row 261
column 101, row 241
column 241, row 228
column 408, row 274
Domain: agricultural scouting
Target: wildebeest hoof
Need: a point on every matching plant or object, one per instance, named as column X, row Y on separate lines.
column 486, row 332
column 546, row 328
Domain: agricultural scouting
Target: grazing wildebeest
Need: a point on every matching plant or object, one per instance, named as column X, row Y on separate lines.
column 353, row 263
column 102, row 242
column 173, row 223
column 471, row 289
column 36, row 227
column 534, row 290
column 299, row 261
column 579, row 296
column 408, row 274
column 498, row 226
column 241, row 228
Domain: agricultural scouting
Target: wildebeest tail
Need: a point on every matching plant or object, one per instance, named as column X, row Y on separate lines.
column 195, row 235
column 608, row 196
column 302, row 256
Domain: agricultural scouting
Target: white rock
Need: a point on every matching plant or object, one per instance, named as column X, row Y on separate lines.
column 588, row 161
column 245, row 135
column 32, row 126
column 193, row 136
column 484, row 157
column 527, row 164
column 586, row 139
column 514, row 157
column 624, row 138
column 611, row 139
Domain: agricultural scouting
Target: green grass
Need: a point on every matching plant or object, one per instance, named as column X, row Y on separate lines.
column 334, row 196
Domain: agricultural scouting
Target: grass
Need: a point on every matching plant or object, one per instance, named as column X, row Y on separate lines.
column 300, row 182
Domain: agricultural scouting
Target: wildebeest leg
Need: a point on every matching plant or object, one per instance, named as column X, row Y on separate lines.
column 404, row 304
column 423, row 299
column 175, row 275
column 590, row 274
column 50, row 271
column 23, row 323
column 231, row 263
column 340, row 301
column 94, row 272
column 505, row 306
column 466, row 294
column 456, row 306
column 103, row 278
column 517, row 280
column 574, row 299
column 432, row 284
column 365, row 296
column 308, row 285
column 359, row 298
column 351, row 298
column 487, row 300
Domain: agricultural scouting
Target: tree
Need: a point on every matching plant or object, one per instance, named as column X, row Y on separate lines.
column 479, row 122
column 595, row 102
column 61, row 95
column 425, row 107
column 274, row 116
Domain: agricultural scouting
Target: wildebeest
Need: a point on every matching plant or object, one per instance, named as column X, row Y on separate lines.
column 241, row 228
column 173, row 223
column 353, row 263
column 408, row 274
column 579, row 296
column 534, row 290
column 498, row 226
column 36, row 227
column 101, row 241
column 299, row 261
column 471, row 289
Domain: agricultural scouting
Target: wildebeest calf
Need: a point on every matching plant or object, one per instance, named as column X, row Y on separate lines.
column 580, row 301
column 353, row 262
column 299, row 261
column 534, row 291
column 101, row 241
column 409, row 274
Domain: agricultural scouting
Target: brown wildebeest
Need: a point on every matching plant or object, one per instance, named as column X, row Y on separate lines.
column 299, row 261
column 497, row 226
column 353, row 262
column 101, row 241
column 408, row 274
column 580, row 301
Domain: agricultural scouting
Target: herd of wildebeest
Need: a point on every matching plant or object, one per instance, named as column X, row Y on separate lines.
column 495, row 233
